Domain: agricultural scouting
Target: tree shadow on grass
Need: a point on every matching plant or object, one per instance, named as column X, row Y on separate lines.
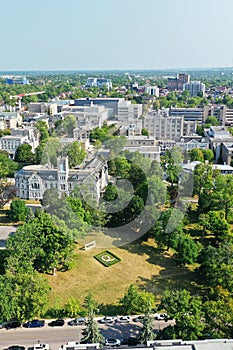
column 171, row 275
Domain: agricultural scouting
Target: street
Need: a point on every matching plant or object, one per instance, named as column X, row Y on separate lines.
column 57, row 336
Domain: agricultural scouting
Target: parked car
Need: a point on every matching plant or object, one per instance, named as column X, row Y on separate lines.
column 40, row 346
column 123, row 319
column 161, row 317
column 16, row 347
column 34, row 324
column 10, row 324
column 107, row 319
column 77, row 322
column 112, row 342
column 131, row 341
column 138, row 318
column 59, row 322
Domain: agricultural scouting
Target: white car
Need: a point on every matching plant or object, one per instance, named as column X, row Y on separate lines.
column 107, row 319
column 123, row 319
column 112, row 342
column 40, row 346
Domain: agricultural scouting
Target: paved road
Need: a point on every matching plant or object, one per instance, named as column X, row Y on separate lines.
column 57, row 336
column 5, row 232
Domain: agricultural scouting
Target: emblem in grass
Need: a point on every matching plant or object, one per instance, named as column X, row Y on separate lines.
column 107, row 258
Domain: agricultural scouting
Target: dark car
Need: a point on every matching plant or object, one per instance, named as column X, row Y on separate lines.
column 34, row 324
column 16, row 347
column 138, row 318
column 131, row 341
column 77, row 322
column 58, row 322
column 10, row 324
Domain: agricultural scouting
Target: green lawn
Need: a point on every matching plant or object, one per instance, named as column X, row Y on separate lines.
column 106, row 258
column 141, row 263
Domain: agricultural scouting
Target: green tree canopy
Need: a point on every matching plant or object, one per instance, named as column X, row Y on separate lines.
column 187, row 311
column 23, row 296
column 18, row 210
column 24, row 154
column 75, row 153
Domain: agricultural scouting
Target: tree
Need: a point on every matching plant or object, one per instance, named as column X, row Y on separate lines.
column 216, row 265
column 223, row 193
column 7, row 192
column 122, row 167
column 187, row 250
column 171, row 163
column 75, row 153
column 73, row 308
column 187, row 311
column 66, row 126
column 208, row 155
column 196, row 154
column 147, row 330
column 91, row 334
column 156, row 170
column 145, row 132
column 169, row 228
column 219, row 318
column 110, row 193
column 23, row 296
column 204, row 177
column 18, row 210
column 24, row 154
column 7, row 165
column 211, row 121
column 50, row 149
column 42, row 127
column 38, row 243
column 217, row 225
column 136, row 301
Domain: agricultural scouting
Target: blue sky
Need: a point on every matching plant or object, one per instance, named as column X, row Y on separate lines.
column 115, row 34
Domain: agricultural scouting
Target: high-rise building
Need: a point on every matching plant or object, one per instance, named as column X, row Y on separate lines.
column 152, row 90
column 176, row 84
column 195, row 88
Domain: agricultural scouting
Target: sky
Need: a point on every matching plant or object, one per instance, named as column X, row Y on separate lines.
column 115, row 34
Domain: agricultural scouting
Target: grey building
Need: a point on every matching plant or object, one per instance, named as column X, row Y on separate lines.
column 32, row 181
column 106, row 102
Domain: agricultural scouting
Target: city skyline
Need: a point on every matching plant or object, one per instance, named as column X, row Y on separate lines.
column 122, row 35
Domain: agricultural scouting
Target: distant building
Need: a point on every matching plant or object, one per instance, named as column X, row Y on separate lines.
column 152, row 90
column 10, row 120
column 92, row 115
column 10, row 143
column 216, row 135
column 163, row 126
column 42, row 107
column 106, row 102
column 189, row 114
column 187, row 143
column 195, row 88
column 99, row 82
column 129, row 111
column 151, row 152
column 17, row 80
column 227, row 152
column 176, row 84
column 224, row 169
column 138, row 141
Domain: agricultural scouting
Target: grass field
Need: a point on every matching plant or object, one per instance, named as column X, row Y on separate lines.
column 142, row 263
